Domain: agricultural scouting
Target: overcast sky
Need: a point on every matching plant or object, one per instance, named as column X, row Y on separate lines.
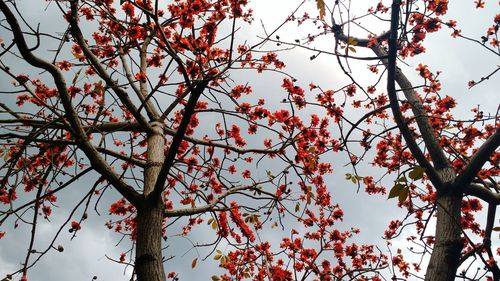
column 85, row 256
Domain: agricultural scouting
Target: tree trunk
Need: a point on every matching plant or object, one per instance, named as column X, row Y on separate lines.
column 448, row 244
column 149, row 261
column 148, row 257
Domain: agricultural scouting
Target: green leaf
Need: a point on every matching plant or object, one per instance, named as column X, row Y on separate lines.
column 352, row 49
column 320, row 4
column 217, row 257
column 417, row 173
column 76, row 76
column 309, row 196
column 297, row 207
column 348, row 176
column 270, row 176
column 223, row 260
column 194, row 262
column 403, row 194
column 496, row 228
column 98, row 87
column 215, row 278
column 312, row 165
column 352, row 41
column 402, row 179
column 396, row 190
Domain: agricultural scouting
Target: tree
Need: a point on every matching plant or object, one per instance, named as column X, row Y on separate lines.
column 125, row 93
column 154, row 90
column 456, row 159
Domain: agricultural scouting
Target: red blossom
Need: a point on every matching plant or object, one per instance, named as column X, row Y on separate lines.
column 237, row 219
column 223, row 226
column 75, row 226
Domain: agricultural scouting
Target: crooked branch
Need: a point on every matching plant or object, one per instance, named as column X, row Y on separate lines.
column 77, row 129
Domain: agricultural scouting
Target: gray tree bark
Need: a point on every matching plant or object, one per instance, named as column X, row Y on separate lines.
column 447, row 245
column 149, row 260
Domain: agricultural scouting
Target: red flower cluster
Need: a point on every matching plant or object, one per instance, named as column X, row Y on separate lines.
column 238, row 220
column 75, row 226
column 121, row 208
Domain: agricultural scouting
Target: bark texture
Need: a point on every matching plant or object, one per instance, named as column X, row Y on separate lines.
column 448, row 245
column 149, row 260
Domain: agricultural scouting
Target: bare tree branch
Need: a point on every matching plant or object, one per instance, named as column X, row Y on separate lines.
column 77, row 129
column 189, row 110
column 477, row 161
column 392, row 74
column 483, row 193
column 122, row 95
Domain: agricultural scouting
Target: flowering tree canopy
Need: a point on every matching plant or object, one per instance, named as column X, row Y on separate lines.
column 149, row 105
column 444, row 163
